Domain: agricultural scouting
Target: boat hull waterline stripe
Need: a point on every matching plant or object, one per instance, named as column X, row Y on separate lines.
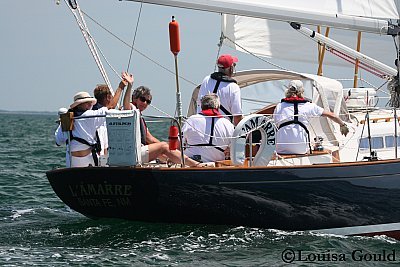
column 312, row 180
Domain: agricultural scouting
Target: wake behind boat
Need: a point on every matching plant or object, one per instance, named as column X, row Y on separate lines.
column 347, row 185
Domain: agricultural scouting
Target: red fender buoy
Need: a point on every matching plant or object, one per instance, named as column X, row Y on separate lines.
column 174, row 40
column 173, row 138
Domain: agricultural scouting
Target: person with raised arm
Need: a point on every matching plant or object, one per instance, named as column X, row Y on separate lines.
column 85, row 143
column 151, row 148
column 106, row 99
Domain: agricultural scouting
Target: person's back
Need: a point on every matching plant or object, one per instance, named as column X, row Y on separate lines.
column 106, row 99
column 222, row 84
column 83, row 137
column 293, row 138
column 207, row 134
column 292, row 117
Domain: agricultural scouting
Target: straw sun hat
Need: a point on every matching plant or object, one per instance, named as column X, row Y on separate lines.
column 82, row 97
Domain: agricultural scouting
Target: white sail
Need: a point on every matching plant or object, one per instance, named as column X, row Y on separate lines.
column 366, row 16
column 269, row 38
column 274, row 39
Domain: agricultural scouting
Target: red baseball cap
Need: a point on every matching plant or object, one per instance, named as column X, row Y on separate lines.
column 225, row 61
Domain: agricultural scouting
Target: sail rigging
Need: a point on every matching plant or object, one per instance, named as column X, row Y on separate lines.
column 256, row 26
column 77, row 13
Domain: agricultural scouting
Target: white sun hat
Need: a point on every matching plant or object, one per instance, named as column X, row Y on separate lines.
column 82, row 97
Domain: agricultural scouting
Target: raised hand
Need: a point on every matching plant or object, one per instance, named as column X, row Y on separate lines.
column 127, row 78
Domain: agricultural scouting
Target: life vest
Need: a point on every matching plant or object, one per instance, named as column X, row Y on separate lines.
column 295, row 101
column 97, row 106
column 95, row 148
column 214, row 114
column 143, row 130
column 222, row 77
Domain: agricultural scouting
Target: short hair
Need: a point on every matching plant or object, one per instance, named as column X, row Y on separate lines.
column 210, row 101
column 224, row 70
column 141, row 91
column 295, row 87
column 101, row 92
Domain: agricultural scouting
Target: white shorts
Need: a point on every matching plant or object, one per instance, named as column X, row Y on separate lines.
column 82, row 161
column 144, row 151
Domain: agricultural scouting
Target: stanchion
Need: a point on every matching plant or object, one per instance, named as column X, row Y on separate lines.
column 175, row 47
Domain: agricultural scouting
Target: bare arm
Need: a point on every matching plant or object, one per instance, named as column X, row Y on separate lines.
column 333, row 117
column 237, row 119
column 150, row 139
column 117, row 95
column 343, row 127
column 128, row 93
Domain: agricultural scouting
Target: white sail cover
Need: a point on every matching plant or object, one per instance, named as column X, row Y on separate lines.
column 361, row 15
column 269, row 38
column 381, row 9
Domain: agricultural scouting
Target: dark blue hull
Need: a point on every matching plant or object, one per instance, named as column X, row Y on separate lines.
column 295, row 198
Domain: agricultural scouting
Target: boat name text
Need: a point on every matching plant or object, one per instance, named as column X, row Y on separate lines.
column 101, row 189
column 264, row 123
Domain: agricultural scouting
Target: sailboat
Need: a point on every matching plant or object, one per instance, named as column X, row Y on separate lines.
column 348, row 185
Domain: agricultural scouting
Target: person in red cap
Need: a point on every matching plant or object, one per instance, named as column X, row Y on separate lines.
column 222, row 84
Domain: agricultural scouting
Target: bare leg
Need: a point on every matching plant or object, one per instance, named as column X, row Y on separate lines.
column 156, row 150
column 162, row 148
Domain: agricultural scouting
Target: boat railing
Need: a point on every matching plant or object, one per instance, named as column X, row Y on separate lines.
column 253, row 145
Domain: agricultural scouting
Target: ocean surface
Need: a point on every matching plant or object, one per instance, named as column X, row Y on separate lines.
column 38, row 229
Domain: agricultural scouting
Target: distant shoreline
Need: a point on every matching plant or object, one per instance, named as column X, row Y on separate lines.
column 28, row 112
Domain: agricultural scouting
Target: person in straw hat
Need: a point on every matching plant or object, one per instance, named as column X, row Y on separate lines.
column 85, row 143
column 292, row 116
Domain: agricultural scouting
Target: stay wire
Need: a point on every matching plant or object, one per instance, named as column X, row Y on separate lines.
column 221, row 40
column 137, row 51
column 134, row 36
column 254, row 55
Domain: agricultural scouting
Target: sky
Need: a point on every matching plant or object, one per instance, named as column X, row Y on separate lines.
column 45, row 60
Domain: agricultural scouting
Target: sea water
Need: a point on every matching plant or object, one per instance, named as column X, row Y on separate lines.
column 38, row 229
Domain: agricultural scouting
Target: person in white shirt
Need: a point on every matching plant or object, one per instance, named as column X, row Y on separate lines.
column 152, row 148
column 85, row 141
column 207, row 135
column 84, row 137
column 106, row 99
column 222, row 84
column 292, row 116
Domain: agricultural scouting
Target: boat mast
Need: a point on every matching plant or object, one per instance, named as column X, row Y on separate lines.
column 321, row 52
column 76, row 11
column 355, row 79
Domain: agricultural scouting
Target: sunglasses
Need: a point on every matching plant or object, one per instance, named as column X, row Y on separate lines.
column 143, row 99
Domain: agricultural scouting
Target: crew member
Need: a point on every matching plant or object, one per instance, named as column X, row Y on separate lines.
column 207, row 134
column 222, row 84
column 292, row 116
